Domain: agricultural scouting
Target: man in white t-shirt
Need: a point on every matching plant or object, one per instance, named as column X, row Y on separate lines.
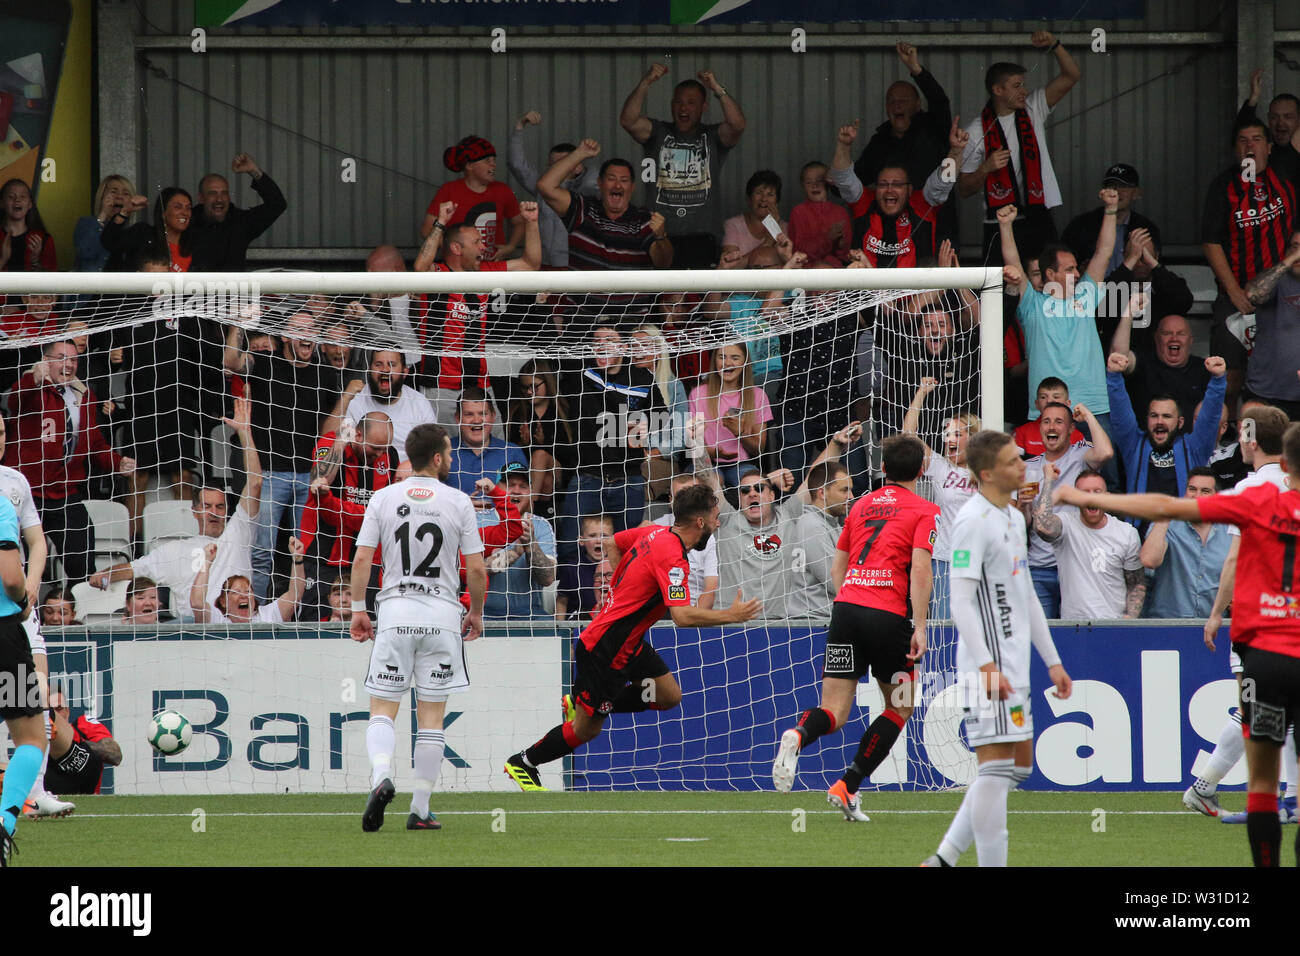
column 384, row 390
column 1007, row 159
column 174, row 564
column 1059, row 462
column 1097, row 557
column 423, row 527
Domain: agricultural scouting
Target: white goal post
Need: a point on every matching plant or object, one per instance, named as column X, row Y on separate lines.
column 184, row 286
column 264, row 699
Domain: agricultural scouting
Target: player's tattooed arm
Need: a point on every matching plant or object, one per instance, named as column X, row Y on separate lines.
column 1047, row 523
column 328, row 466
column 106, row 750
column 1135, row 584
column 1260, row 289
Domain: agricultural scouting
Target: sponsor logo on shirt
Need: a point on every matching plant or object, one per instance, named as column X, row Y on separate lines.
column 1018, row 715
column 677, row 592
column 961, row 559
column 403, row 511
column 870, row 577
column 676, row 575
column 1278, row 605
column 417, row 493
column 933, row 536
column 767, row 545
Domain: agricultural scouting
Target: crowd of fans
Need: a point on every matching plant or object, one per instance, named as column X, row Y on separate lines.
column 566, row 452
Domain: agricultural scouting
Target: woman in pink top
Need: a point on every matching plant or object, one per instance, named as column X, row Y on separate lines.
column 734, row 410
column 743, row 234
column 819, row 228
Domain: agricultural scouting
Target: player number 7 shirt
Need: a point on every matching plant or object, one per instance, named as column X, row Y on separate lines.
column 882, row 529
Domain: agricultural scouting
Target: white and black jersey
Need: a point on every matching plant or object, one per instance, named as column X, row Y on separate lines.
column 420, row 527
column 989, row 548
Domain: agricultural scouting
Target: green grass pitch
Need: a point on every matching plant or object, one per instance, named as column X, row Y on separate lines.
column 624, row 829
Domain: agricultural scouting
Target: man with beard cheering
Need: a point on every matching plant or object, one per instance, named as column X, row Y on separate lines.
column 384, row 390
column 615, row 668
column 1160, row 459
column 893, row 224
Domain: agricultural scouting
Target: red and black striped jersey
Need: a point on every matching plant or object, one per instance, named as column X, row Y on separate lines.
column 332, row 519
column 1252, row 221
column 455, row 325
column 653, row 575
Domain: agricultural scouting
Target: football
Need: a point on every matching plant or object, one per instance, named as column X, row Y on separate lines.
column 169, row 732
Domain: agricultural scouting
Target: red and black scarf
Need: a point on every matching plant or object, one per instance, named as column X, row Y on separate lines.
column 887, row 240
column 1000, row 187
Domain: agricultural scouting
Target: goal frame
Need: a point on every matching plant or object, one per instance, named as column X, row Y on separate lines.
column 986, row 281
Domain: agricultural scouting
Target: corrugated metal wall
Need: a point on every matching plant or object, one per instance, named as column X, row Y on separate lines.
column 1166, row 109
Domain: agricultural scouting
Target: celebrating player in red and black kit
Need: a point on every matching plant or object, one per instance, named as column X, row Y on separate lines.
column 1265, row 621
column 614, row 665
column 877, row 621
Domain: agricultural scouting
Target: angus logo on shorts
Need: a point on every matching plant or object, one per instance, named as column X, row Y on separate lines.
column 442, row 674
column 1018, row 715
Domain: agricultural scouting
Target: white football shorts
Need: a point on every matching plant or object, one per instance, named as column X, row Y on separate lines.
column 34, row 636
column 998, row 721
column 430, row 656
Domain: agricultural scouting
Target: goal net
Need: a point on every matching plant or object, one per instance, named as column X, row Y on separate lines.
column 156, row 415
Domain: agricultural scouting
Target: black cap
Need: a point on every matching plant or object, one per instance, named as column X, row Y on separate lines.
column 1121, row 174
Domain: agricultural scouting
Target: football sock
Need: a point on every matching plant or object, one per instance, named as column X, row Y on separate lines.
column 988, row 810
column 559, row 742
column 1289, row 762
column 39, row 786
column 381, row 741
column 19, row 777
column 429, row 745
column 873, row 747
column 960, row 835
column 812, row 724
column 1263, row 828
column 1227, row 751
column 631, row 700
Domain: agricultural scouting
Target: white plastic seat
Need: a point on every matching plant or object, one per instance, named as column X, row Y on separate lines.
column 168, row 521
column 112, row 524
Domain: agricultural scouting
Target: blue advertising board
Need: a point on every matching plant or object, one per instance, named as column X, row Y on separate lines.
column 1148, row 703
